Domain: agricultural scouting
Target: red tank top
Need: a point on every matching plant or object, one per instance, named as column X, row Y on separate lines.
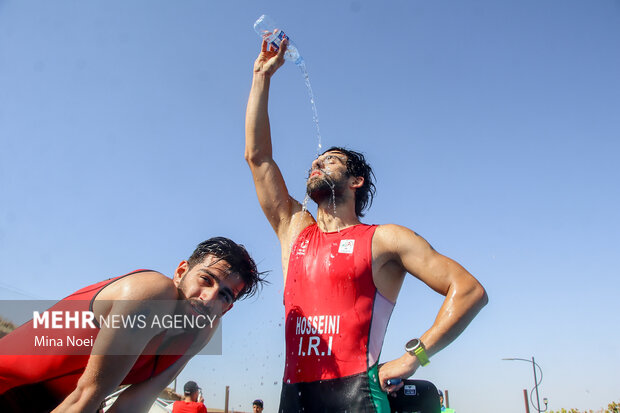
column 335, row 317
column 188, row 407
column 59, row 373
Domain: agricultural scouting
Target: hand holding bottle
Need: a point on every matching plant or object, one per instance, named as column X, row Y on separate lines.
column 269, row 60
column 274, row 36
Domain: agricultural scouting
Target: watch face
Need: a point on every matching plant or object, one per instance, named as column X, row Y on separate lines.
column 412, row 344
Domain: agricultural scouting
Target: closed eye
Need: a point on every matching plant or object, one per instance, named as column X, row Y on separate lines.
column 334, row 159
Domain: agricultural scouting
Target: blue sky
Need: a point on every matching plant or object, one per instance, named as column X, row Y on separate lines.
column 493, row 129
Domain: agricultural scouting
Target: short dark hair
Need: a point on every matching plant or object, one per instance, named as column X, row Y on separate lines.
column 190, row 387
column 237, row 257
column 357, row 166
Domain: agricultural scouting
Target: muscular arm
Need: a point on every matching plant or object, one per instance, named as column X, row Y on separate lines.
column 116, row 349
column 139, row 397
column 279, row 207
column 402, row 250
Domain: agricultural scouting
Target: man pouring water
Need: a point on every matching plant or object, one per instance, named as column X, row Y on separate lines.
column 342, row 277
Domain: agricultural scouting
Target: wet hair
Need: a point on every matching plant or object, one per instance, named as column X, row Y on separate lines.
column 357, row 166
column 237, row 257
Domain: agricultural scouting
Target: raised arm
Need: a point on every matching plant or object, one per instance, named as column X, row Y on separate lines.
column 405, row 251
column 279, row 207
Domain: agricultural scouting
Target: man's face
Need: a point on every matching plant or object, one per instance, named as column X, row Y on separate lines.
column 209, row 286
column 328, row 176
column 256, row 408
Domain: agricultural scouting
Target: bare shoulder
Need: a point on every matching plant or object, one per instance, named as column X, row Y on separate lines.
column 397, row 238
column 392, row 231
column 148, row 285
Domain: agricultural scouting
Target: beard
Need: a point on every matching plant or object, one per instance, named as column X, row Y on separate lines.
column 323, row 188
column 199, row 306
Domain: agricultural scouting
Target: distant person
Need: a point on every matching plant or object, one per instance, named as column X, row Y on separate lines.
column 203, row 288
column 257, row 406
column 443, row 408
column 342, row 277
column 192, row 402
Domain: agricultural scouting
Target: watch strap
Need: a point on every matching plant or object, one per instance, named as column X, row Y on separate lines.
column 420, row 353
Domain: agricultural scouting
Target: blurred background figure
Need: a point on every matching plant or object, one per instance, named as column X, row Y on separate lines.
column 257, row 406
column 443, row 408
column 192, row 402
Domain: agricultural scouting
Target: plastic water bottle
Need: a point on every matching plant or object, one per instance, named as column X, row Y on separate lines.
column 267, row 29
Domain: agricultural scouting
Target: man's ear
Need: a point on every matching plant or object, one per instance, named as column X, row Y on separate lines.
column 357, row 182
column 228, row 309
column 181, row 270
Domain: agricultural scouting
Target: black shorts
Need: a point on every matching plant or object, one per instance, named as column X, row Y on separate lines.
column 359, row 393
